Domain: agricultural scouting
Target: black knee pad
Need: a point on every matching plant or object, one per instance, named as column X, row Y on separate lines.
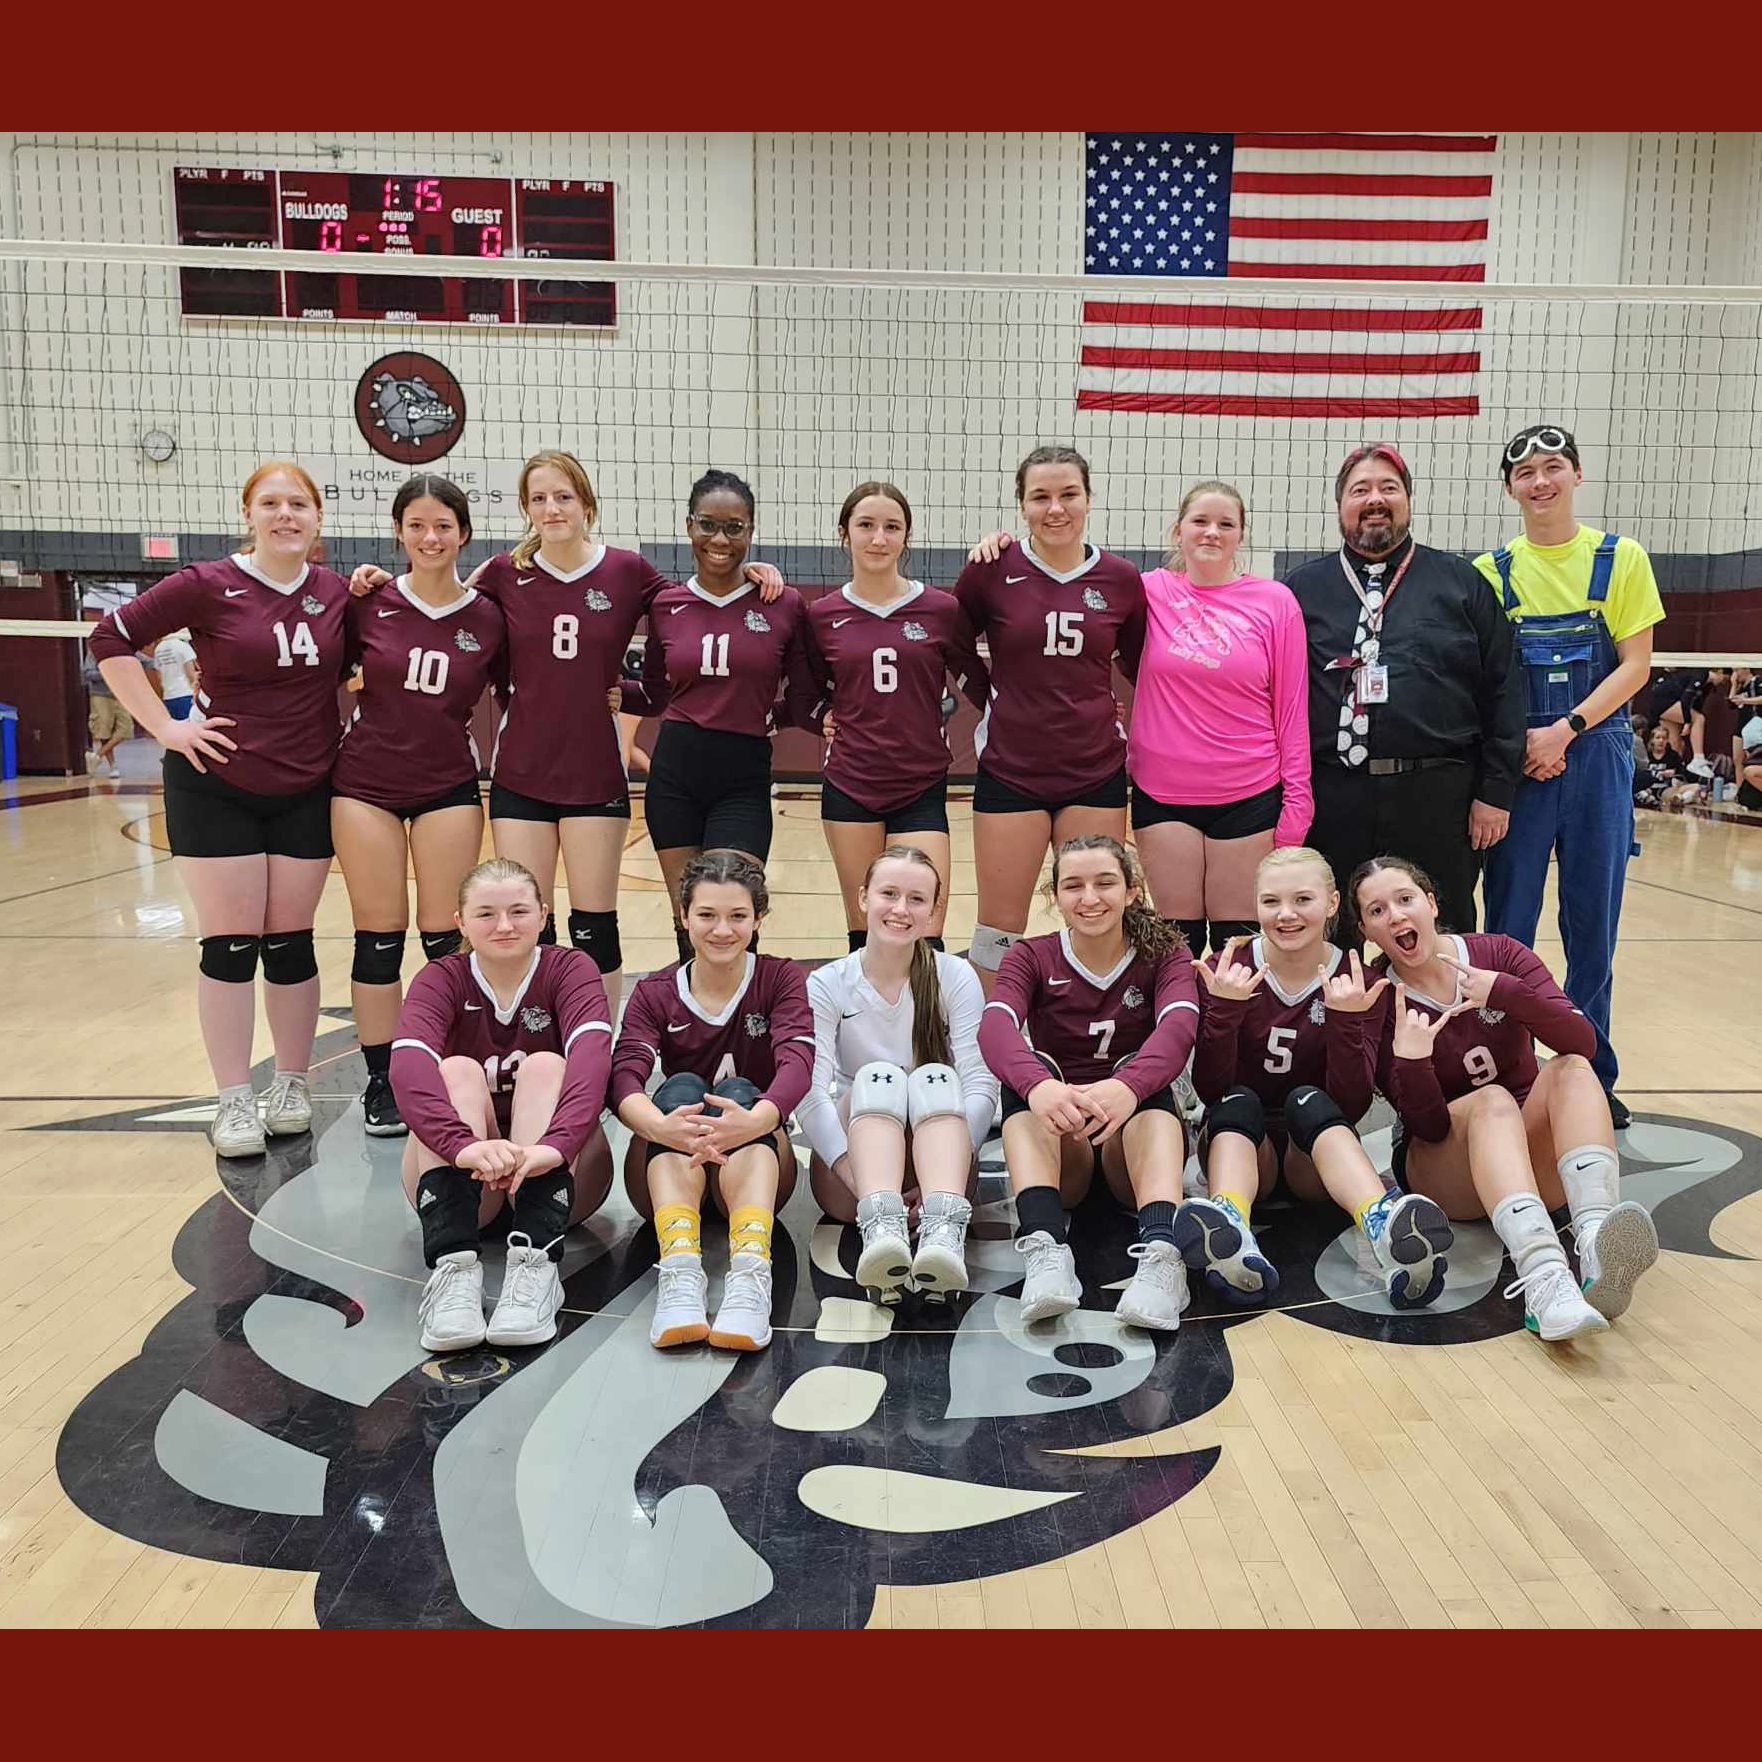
column 288, row 957
column 1239, row 1111
column 1222, row 929
column 438, row 944
column 596, row 934
column 682, row 1089
column 547, row 937
column 446, row 1207
column 541, row 1209
column 1310, row 1112
column 231, row 958
column 740, row 1090
column 379, row 957
column 1193, row 930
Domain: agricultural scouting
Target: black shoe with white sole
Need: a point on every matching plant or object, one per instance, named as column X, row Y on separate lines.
column 380, row 1106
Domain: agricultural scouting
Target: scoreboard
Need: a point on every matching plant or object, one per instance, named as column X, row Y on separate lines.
column 395, row 216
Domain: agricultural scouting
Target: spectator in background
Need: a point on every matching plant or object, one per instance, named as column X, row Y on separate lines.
column 108, row 721
column 175, row 661
column 1661, row 777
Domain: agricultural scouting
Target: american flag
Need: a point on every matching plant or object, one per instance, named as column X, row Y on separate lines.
column 1334, row 207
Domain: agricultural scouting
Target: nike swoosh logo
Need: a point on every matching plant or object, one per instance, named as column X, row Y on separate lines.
column 1578, row 1168
column 674, row 611
column 391, row 614
column 1011, row 580
column 476, row 1006
column 1058, row 981
column 850, row 1015
column 1528, row 1205
column 232, row 593
column 237, row 947
column 677, row 1027
column 381, row 947
column 521, row 580
column 839, row 623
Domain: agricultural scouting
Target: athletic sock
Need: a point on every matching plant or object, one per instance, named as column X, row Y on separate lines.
column 1591, row 1176
column 1040, row 1208
column 857, row 939
column 1362, row 1214
column 1156, row 1221
column 378, row 1057
column 1244, row 1206
column 1523, row 1225
column 676, row 1228
column 749, row 1230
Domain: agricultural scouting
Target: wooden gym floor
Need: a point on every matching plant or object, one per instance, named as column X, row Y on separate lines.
column 213, row 1411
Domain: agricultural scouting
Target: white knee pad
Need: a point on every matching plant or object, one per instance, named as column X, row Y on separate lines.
column 989, row 946
column 934, row 1090
column 880, row 1088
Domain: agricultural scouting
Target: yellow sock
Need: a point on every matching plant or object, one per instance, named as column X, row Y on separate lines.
column 1360, row 1213
column 749, row 1230
column 1241, row 1201
column 677, row 1227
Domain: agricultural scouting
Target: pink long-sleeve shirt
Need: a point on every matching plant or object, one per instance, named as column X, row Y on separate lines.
column 1221, row 710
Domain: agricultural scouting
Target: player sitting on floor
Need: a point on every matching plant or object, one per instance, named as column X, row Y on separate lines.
column 1286, row 1064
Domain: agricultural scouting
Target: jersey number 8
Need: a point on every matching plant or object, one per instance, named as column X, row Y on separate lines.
column 565, row 629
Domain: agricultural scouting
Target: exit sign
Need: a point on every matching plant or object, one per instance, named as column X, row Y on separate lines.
column 159, row 547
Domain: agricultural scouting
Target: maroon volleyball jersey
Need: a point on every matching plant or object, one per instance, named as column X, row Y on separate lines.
column 1136, row 1023
column 558, row 742
column 1273, row 1041
column 1493, row 1044
column 717, row 661
column 450, row 1011
column 765, row 1033
column 270, row 656
column 423, row 670
column 1052, row 729
column 880, row 672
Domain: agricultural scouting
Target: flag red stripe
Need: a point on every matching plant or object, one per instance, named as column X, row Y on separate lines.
column 1245, row 317
column 1371, row 143
column 1258, row 226
column 1364, row 271
column 1273, row 361
column 1210, row 404
column 1326, row 183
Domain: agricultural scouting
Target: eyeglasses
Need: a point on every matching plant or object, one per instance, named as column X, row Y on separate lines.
column 705, row 526
column 1547, row 439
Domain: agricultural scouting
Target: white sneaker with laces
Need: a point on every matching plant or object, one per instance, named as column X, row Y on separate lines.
column 1187, row 1098
column 1051, row 1286
column 526, row 1312
column 1699, row 768
column 1158, row 1292
column 743, row 1322
column 1553, row 1306
column 1612, row 1256
column 886, row 1260
column 235, row 1129
column 940, row 1264
column 452, row 1303
column 680, row 1301
column 1410, row 1236
column 287, row 1104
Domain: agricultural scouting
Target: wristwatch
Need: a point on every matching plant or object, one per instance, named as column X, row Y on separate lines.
column 1576, row 722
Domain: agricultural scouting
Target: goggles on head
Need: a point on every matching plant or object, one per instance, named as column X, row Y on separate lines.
column 1545, row 438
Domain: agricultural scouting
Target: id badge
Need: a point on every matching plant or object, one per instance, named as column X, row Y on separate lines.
column 1373, row 685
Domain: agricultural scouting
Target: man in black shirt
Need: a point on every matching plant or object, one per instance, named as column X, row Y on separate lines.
column 1416, row 707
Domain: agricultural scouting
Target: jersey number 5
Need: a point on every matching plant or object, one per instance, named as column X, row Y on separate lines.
column 1064, row 633
column 1278, row 1049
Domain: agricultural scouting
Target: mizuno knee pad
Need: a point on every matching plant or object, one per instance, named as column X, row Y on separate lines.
column 933, row 1090
column 596, row 934
column 880, row 1088
column 288, row 957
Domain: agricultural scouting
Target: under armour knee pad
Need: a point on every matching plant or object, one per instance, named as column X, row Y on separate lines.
column 446, row 1208
column 438, row 944
column 1239, row 1111
column 880, row 1088
column 1193, row 933
column 682, row 1089
column 379, row 957
column 742, row 1091
column 1308, row 1113
column 288, row 957
column 989, row 946
column 596, row 934
column 229, row 958
column 934, row 1090
column 541, row 1209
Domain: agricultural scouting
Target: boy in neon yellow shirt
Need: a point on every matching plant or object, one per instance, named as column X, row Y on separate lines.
column 1583, row 603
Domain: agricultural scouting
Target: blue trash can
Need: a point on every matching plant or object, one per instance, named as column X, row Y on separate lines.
column 8, row 742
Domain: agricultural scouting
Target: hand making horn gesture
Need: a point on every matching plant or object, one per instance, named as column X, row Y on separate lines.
column 1475, row 983
column 1345, row 990
column 1227, row 980
column 1415, row 1031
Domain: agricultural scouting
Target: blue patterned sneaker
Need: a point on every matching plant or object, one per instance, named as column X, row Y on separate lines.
column 1410, row 1236
column 1215, row 1239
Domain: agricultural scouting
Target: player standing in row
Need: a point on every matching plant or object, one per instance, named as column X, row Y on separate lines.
column 711, row 668
column 1219, row 748
column 901, row 1098
column 405, row 784
column 1052, row 753
column 733, row 1033
column 1485, row 1133
column 1286, row 1064
column 500, row 1067
column 880, row 648
column 1110, row 1008
column 248, row 812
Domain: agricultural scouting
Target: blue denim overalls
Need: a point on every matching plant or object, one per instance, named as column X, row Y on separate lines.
column 1585, row 815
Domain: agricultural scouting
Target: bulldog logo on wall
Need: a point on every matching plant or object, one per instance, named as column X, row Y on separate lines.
column 410, row 408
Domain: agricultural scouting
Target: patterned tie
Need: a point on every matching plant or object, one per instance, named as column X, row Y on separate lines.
column 1355, row 719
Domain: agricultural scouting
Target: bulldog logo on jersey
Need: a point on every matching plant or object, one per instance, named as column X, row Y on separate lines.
column 310, row 606
column 1134, row 998
column 410, row 408
column 913, row 631
column 465, row 641
column 1490, row 1016
column 756, row 1026
column 535, row 1020
column 1318, row 1011
column 1095, row 599
column 757, row 621
column 597, row 601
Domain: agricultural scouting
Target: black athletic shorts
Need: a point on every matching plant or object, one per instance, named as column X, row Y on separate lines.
column 992, row 797
column 1218, row 819
column 509, row 804
column 205, row 816
column 919, row 813
column 1159, row 1101
column 709, row 790
column 461, row 795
